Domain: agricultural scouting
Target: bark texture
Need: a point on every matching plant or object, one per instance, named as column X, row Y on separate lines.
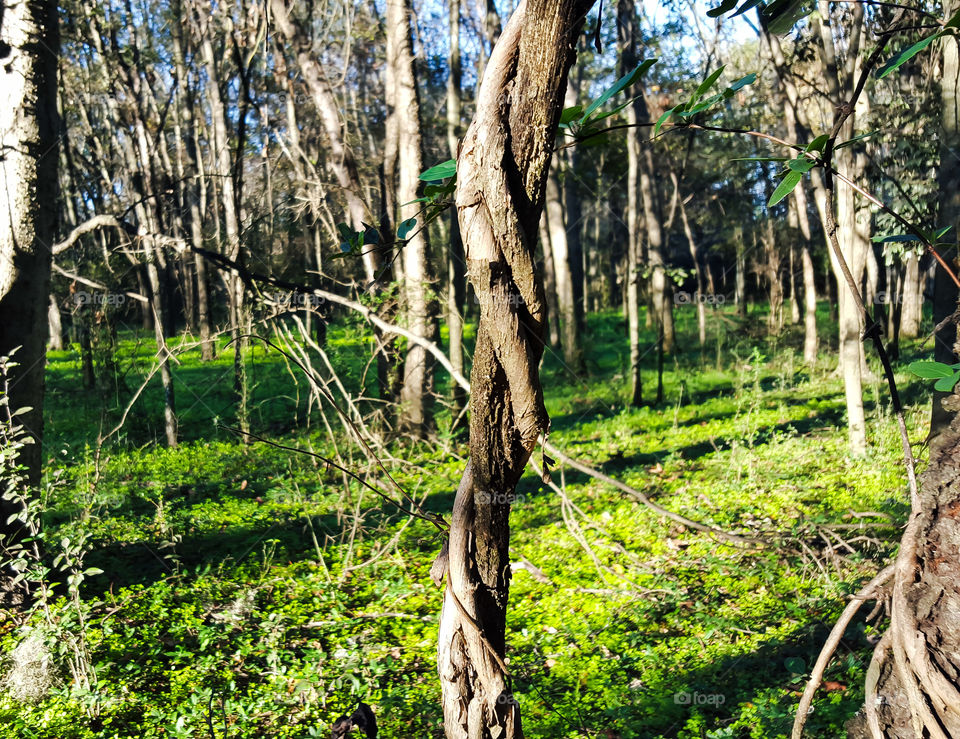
column 28, row 214
column 913, row 684
column 502, row 169
column 416, row 394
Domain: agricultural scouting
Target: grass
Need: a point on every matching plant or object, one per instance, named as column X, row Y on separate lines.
column 237, row 598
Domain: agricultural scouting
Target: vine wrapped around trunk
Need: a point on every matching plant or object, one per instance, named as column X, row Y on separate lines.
column 501, row 171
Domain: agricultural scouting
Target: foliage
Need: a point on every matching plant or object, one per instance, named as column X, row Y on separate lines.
column 234, row 591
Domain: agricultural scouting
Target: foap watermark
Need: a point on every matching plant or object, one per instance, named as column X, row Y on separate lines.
column 510, row 298
column 84, row 298
column 685, row 698
column 499, row 498
column 296, row 299
column 685, row 298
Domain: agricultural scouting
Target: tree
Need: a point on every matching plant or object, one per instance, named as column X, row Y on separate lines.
column 911, row 685
column 29, row 127
column 416, row 394
column 501, row 171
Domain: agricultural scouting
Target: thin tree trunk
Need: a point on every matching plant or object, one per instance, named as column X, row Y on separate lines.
column 627, row 40
column 563, row 276
column 456, row 273
column 549, row 284
column 416, row 394
column 909, row 297
column 507, row 412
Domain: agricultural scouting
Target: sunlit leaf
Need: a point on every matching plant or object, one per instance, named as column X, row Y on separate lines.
column 801, row 165
column 946, row 384
column 709, row 82
column 440, row 171
column 930, row 370
column 790, row 180
column 906, row 55
column 818, row 143
column 782, row 15
column 622, row 83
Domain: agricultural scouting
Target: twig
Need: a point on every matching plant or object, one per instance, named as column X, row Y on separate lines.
column 833, row 641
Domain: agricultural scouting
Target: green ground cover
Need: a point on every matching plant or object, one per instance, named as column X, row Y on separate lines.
column 247, row 591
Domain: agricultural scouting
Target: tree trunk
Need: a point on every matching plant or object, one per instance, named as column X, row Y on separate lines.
column 852, row 232
column 29, row 129
column 416, row 394
column 563, row 275
column 912, row 683
column 910, row 297
column 502, row 169
column 456, row 273
column 549, row 284
column 627, row 40
column 55, row 341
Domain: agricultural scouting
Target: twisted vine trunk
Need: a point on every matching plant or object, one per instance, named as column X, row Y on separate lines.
column 913, row 684
column 502, row 169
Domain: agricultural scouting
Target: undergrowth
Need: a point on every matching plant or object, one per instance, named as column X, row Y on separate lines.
column 250, row 592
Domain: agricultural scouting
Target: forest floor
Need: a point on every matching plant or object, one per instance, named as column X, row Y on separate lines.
column 249, row 591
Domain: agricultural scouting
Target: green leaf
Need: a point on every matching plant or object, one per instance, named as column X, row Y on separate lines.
column 701, row 106
column 709, row 82
column 946, row 384
column 802, row 165
column 371, row 235
column 954, row 21
column 740, row 84
column 440, row 171
column 930, row 370
column 782, row 15
column 725, row 7
column 855, row 139
column 93, row 571
column 795, row 665
column 570, row 114
column 818, row 143
column 663, row 118
column 346, row 233
column 624, row 82
column 790, row 181
column 939, row 233
column 906, row 55
column 760, row 159
column 406, row 227
column 894, row 239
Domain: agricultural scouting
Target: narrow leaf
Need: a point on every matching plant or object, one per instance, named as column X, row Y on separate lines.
column 740, row 84
column 894, row 239
column 802, row 166
column 709, row 82
column 783, row 14
column 725, row 7
column 790, row 181
column 749, row 5
column 624, row 82
column 855, row 139
column 906, row 55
